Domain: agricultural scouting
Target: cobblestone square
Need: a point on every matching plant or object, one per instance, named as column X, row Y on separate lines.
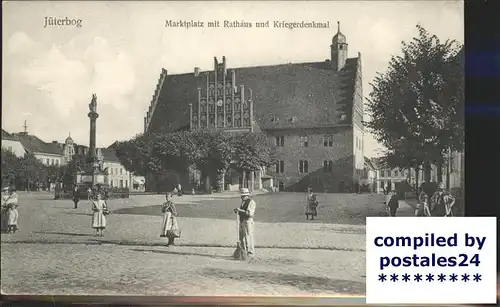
column 55, row 252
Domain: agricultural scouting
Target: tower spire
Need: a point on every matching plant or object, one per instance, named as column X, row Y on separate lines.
column 25, row 127
column 338, row 26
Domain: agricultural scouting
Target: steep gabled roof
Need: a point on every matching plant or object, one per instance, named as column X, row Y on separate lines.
column 35, row 145
column 8, row 136
column 285, row 96
column 109, row 155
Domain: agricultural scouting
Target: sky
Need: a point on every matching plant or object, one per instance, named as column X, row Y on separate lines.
column 50, row 73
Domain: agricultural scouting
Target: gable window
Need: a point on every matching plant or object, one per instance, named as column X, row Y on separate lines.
column 328, row 166
column 280, row 167
column 303, row 141
column 303, row 167
column 280, row 141
column 328, row 140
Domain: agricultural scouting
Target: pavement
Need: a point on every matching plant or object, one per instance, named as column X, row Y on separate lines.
column 56, row 253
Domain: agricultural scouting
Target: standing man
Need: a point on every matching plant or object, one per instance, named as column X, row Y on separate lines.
column 393, row 203
column 246, row 213
column 76, row 195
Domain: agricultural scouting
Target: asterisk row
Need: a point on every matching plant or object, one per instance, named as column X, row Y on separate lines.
column 429, row 277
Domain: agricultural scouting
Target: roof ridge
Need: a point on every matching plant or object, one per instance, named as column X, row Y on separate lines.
column 264, row 66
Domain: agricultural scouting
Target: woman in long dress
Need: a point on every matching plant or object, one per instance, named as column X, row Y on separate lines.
column 311, row 204
column 5, row 209
column 10, row 215
column 169, row 226
column 98, row 218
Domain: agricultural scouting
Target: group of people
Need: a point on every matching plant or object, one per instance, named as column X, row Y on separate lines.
column 440, row 203
column 245, row 212
column 10, row 215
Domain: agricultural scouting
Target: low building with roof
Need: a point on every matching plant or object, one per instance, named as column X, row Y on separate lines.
column 12, row 143
column 118, row 176
column 47, row 153
column 312, row 112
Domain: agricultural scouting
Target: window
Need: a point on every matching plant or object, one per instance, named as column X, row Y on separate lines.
column 328, row 166
column 126, row 183
column 303, row 167
column 396, row 173
column 280, row 141
column 328, row 140
column 280, row 167
column 121, row 183
column 57, row 162
column 303, row 141
column 10, row 148
column 121, row 171
column 382, row 173
column 48, row 161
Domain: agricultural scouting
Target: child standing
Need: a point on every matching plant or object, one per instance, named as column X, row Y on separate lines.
column 13, row 218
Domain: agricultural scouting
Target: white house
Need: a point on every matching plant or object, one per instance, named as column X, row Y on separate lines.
column 455, row 167
column 47, row 153
column 118, row 176
column 12, row 143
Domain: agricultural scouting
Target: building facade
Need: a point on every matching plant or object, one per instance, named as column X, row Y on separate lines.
column 47, row 153
column 312, row 113
column 453, row 174
column 370, row 178
column 118, row 176
column 59, row 154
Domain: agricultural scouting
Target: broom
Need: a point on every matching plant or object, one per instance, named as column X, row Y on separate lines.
column 240, row 253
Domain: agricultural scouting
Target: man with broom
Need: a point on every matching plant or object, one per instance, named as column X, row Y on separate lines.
column 245, row 217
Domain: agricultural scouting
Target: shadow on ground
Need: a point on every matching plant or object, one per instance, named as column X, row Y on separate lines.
column 274, row 208
column 275, row 261
column 77, row 213
column 170, row 252
column 304, row 283
column 96, row 241
column 65, row 234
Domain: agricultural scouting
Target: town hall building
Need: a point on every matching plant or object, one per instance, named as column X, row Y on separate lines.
column 312, row 113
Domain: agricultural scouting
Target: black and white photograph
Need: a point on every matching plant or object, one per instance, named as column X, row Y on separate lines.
column 229, row 148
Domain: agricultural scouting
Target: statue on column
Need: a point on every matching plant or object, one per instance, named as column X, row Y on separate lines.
column 93, row 104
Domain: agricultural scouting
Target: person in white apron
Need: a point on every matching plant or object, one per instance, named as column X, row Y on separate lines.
column 169, row 227
column 100, row 210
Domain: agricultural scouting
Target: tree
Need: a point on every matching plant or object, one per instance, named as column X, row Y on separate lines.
column 212, row 152
column 136, row 155
column 33, row 171
column 417, row 103
column 11, row 167
column 253, row 150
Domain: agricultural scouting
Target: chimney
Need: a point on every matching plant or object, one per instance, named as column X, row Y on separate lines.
column 196, row 71
column 54, row 142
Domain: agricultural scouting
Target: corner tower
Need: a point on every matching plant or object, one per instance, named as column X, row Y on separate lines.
column 338, row 50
